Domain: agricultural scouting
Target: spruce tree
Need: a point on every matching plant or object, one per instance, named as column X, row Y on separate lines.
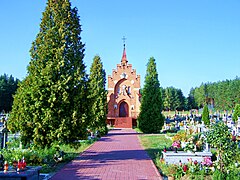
column 150, row 119
column 205, row 115
column 98, row 96
column 51, row 103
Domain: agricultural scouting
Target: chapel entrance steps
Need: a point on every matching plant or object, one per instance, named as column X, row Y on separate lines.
column 122, row 122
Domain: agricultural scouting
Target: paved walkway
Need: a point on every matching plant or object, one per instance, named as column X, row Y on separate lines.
column 118, row 155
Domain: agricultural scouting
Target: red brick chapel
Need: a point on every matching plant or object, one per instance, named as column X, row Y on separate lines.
column 123, row 95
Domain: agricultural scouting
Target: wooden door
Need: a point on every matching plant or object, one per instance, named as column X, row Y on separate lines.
column 123, row 110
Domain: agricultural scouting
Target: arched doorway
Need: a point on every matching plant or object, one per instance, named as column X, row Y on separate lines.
column 123, row 109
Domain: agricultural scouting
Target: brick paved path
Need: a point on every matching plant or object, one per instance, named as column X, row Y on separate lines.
column 118, row 155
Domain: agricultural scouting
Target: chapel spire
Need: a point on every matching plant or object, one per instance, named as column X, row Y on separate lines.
column 124, row 60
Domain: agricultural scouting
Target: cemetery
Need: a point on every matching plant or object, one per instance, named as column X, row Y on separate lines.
column 198, row 148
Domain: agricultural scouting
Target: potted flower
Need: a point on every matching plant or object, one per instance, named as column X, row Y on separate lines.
column 176, row 145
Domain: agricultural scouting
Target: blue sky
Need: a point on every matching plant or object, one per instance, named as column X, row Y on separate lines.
column 192, row 41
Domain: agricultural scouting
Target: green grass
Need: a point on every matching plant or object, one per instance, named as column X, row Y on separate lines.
column 154, row 144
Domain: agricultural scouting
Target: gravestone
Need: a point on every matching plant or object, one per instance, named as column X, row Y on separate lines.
column 174, row 158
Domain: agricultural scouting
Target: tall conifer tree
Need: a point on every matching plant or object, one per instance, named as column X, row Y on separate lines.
column 150, row 119
column 98, row 95
column 205, row 115
column 51, row 103
column 236, row 113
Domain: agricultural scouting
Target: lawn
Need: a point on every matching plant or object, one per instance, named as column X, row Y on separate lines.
column 154, row 145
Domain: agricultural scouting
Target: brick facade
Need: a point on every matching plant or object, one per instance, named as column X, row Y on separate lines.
column 123, row 95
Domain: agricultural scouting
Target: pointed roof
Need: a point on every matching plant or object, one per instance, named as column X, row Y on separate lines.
column 124, row 60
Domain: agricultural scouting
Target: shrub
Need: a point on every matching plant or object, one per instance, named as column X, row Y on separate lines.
column 44, row 157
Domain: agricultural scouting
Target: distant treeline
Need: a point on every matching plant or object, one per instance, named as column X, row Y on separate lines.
column 222, row 95
column 8, row 87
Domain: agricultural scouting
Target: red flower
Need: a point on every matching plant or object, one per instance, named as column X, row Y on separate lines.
column 185, row 168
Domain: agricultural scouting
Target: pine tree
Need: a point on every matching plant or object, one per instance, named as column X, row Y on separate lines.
column 98, row 96
column 150, row 119
column 51, row 103
column 205, row 115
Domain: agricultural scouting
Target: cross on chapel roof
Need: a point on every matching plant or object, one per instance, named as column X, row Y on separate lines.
column 124, row 60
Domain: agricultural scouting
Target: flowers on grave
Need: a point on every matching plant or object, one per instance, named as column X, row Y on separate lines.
column 194, row 143
column 176, row 145
column 180, row 136
column 185, row 168
column 193, row 166
column 207, row 162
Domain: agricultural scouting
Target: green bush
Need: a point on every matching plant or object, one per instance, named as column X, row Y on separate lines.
column 13, row 143
column 44, row 157
column 231, row 175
